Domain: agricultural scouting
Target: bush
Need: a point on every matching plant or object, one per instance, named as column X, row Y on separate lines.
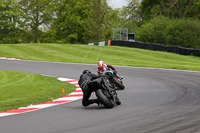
column 177, row 32
column 10, row 37
column 9, row 40
column 47, row 37
column 153, row 31
column 184, row 33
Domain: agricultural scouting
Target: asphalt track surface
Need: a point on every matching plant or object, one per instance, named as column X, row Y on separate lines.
column 154, row 101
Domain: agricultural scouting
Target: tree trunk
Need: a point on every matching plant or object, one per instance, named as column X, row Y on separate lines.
column 172, row 6
column 36, row 30
column 188, row 8
column 98, row 19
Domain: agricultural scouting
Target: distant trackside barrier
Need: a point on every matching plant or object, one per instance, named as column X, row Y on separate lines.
column 106, row 43
column 150, row 46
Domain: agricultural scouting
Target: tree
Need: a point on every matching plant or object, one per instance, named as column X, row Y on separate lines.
column 146, row 7
column 69, row 24
column 170, row 8
column 184, row 33
column 9, row 21
column 37, row 13
column 178, row 32
column 154, row 30
column 115, row 18
column 132, row 11
column 194, row 11
column 98, row 26
column 131, row 15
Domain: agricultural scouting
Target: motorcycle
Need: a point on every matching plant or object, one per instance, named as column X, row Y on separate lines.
column 107, row 97
column 115, row 79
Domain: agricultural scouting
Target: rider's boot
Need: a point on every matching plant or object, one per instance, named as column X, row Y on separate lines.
column 96, row 101
column 118, row 102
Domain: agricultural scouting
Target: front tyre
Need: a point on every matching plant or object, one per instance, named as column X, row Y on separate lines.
column 108, row 103
column 118, row 83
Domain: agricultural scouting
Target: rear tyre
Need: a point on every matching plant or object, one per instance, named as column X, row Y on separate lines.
column 108, row 103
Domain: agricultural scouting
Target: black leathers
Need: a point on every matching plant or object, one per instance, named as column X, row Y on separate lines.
column 88, row 83
column 86, row 77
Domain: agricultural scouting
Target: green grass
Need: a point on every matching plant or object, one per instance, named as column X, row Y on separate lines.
column 19, row 89
column 114, row 55
column 22, row 89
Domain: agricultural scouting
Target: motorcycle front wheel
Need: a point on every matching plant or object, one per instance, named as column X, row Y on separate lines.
column 118, row 83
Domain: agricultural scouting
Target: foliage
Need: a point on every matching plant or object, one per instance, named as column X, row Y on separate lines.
column 184, row 33
column 70, row 22
column 170, row 8
column 179, row 32
column 153, row 31
column 36, row 13
column 98, row 23
column 146, row 7
column 127, row 17
column 175, row 28
column 9, row 21
column 83, row 21
column 48, row 36
column 194, row 10
column 131, row 15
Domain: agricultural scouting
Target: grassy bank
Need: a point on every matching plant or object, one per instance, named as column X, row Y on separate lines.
column 19, row 89
column 90, row 54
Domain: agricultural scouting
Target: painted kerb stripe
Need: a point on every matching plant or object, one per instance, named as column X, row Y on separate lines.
column 77, row 94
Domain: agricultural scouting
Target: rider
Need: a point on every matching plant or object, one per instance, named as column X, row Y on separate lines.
column 103, row 67
column 88, row 83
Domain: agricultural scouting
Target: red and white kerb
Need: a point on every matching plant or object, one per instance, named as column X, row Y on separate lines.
column 77, row 94
column 8, row 58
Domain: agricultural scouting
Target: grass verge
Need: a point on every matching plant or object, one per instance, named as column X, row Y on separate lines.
column 114, row 55
column 19, row 89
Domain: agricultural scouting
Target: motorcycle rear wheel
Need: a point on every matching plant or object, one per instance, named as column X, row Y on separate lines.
column 108, row 103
